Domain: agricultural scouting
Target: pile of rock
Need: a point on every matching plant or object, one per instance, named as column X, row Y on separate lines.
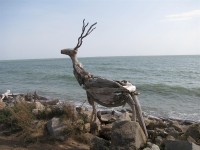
column 163, row 133
column 114, row 129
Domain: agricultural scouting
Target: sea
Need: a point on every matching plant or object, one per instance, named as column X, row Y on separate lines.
column 169, row 86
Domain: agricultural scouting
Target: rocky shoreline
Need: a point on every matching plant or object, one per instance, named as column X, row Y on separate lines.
column 113, row 130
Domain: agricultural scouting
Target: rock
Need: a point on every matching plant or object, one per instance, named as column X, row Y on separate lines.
column 88, row 137
column 161, row 124
column 147, row 148
column 152, row 124
column 191, row 140
column 169, row 137
column 99, row 144
column 125, row 116
column 172, row 131
column 152, row 134
column 179, row 145
column 194, row 132
column 177, row 126
column 94, row 128
column 155, row 147
column 19, row 98
column 105, row 131
column 56, row 128
column 158, row 140
column 151, row 146
column 161, row 132
column 87, row 127
column 49, row 102
column 38, row 108
column 80, row 125
column 84, row 114
column 127, row 135
column 147, row 121
column 106, row 117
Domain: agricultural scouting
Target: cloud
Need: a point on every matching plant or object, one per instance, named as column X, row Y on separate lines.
column 183, row 16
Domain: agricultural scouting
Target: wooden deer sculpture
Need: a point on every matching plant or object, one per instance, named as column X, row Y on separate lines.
column 108, row 93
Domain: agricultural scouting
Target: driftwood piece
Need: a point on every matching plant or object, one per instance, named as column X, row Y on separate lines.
column 5, row 95
column 108, row 93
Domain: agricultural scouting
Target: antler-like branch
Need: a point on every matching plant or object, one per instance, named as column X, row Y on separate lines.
column 80, row 39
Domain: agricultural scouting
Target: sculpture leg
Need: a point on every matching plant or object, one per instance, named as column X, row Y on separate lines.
column 136, row 111
column 94, row 113
column 139, row 114
column 132, row 105
column 92, row 103
column 93, row 124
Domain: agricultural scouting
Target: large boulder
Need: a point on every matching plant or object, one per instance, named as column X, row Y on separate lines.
column 127, row 135
column 56, row 128
column 179, row 145
column 38, row 108
column 105, row 131
column 99, row 144
column 151, row 146
column 194, row 132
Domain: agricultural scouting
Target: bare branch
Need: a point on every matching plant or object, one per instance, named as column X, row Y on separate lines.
column 80, row 39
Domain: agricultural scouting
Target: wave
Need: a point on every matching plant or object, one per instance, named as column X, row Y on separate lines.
column 164, row 89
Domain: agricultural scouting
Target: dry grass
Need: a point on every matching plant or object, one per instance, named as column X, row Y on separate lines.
column 32, row 127
column 23, row 119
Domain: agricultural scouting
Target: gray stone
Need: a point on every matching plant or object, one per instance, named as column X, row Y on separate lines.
column 180, row 145
column 158, row 140
column 161, row 132
column 177, row 126
column 147, row 148
column 105, row 131
column 169, row 137
column 19, row 98
column 155, row 147
column 125, row 116
column 87, row 127
column 152, row 146
column 194, row 132
column 39, row 106
column 99, row 144
column 149, row 144
column 127, row 135
column 55, row 127
column 173, row 132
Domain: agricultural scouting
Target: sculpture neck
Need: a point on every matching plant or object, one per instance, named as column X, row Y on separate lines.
column 79, row 72
column 74, row 59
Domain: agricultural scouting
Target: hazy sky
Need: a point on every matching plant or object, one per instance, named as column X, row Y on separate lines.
column 41, row 28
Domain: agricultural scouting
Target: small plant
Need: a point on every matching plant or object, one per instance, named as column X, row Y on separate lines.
column 5, row 116
column 69, row 112
column 23, row 119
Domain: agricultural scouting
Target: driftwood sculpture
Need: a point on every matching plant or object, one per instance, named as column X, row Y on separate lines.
column 108, row 93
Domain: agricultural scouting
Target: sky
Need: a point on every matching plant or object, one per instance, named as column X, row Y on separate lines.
column 34, row 29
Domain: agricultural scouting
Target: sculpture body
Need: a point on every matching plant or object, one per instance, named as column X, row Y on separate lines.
column 108, row 93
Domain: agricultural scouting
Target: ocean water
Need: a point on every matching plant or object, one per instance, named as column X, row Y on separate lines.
column 169, row 86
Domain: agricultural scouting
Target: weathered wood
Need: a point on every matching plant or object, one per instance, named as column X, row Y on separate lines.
column 5, row 95
column 108, row 93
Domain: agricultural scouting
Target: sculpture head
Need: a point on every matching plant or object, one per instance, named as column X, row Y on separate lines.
column 71, row 52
